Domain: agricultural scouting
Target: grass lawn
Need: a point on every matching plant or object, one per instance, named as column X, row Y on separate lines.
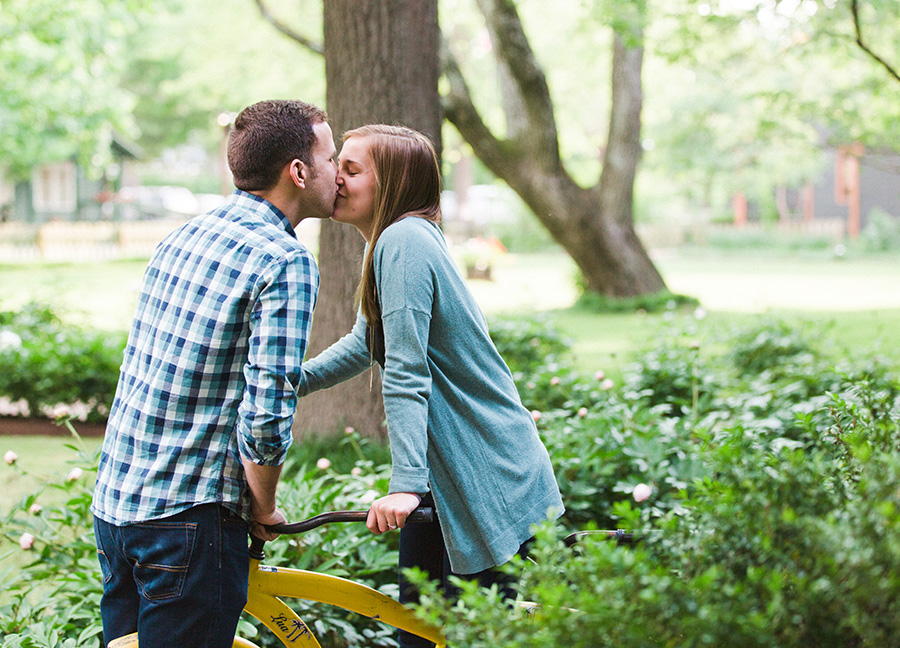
column 102, row 295
column 854, row 301
column 856, row 298
column 608, row 342
column 41, row 459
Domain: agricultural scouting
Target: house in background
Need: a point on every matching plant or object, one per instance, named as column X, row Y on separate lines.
column 855, row 185
column 64, row 191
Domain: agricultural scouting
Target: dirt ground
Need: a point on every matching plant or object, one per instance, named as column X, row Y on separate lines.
column 10, row 425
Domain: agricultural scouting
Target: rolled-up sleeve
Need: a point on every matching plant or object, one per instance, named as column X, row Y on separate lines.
column 280, row 322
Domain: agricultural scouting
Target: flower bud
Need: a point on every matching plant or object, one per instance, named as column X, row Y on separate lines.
column 26, row 541
column 641, row 492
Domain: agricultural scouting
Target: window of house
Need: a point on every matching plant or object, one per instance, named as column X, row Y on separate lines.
column 53, row 187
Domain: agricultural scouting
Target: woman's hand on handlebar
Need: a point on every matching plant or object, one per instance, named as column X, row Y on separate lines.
column 390, row 512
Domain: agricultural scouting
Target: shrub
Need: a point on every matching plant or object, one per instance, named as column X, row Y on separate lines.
column 56, row 368
column 778, row 545
column 881, row 233
column 656, row 303
column 528, row 346
column 55, row 599
column 773, row 516
column 770, row 344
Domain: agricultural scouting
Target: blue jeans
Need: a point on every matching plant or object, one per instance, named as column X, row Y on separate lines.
column 177, row 581
column 422, row 545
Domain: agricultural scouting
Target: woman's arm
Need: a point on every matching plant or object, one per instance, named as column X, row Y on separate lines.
column 346, row 358
column 404, row 259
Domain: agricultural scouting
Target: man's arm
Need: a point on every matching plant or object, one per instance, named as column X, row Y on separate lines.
column 279, row 330
column 262, row 481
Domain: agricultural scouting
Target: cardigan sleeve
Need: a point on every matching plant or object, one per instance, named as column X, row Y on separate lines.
column 406, row 385
column 404, row 275
column 346, row 358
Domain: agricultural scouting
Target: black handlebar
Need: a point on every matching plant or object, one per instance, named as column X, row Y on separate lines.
column 423, row 514
column 621, row 537
column 418, row 515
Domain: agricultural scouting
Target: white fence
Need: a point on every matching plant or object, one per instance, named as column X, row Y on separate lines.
column 80, row 241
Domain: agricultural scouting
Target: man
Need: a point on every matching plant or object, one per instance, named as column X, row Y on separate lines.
column 201, row 420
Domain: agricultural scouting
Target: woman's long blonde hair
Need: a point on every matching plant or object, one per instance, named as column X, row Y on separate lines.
column 408, row 183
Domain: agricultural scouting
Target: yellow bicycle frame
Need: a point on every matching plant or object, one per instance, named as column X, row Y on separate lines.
column 267, row 585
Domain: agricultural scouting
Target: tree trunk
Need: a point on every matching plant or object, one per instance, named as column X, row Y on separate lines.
column 381, row 65
column 594, row 225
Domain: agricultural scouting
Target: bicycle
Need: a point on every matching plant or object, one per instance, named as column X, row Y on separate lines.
column 267, row 585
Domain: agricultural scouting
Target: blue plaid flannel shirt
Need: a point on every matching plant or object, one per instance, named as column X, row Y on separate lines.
column 211, row 365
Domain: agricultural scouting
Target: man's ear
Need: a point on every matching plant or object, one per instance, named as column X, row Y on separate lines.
column 299, row 173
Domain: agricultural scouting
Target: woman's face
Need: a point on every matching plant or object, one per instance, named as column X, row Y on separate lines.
column 355, row 204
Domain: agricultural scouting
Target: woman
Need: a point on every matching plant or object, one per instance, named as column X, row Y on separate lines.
column 459, row 434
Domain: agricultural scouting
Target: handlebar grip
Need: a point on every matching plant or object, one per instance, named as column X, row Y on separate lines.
column 423, row 514
column 620, row 536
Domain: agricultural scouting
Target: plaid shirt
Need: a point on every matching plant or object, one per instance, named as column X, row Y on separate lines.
column 211, row 365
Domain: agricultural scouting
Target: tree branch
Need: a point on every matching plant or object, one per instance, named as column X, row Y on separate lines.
column 462, row 113
column 854, row 10
column 317, row 48
column 513, row 49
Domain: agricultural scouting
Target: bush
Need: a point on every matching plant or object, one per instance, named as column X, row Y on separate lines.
column 54, row 600
column 881, row 233
column 656, row 303
column 528, row 346
column 778, row 544
column 57, row 369
column 773, row 513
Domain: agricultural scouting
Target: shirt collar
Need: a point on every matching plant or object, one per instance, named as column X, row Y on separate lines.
column 262, row 207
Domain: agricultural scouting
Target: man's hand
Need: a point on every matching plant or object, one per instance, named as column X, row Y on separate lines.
column 262, row 481
column 259, row 519
column 390, row 512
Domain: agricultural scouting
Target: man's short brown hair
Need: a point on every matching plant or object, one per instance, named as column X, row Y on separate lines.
column 267, row 136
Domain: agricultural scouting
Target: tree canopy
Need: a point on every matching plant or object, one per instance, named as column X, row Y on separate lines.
column 737, row 92
column 61, row 93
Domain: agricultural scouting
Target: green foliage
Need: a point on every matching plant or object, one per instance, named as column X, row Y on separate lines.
column 773, row 516
column 49, row 364
column 881, row 233
column 526, row 346
column 654, row 303
column 62, row 62
column 344, row 550
column 54, row 600
column 771, row 522
column 773, row 344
